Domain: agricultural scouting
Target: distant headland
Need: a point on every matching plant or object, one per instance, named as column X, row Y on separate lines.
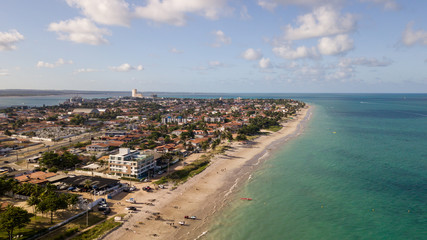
column 36, row 92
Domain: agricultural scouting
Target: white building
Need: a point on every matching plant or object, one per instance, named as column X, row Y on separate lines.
column 135, row 94
column 129, row 163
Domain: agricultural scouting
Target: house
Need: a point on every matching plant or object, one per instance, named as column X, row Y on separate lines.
column 198, row 141
column 97, row 147
column 85, row 110
column 38, row 177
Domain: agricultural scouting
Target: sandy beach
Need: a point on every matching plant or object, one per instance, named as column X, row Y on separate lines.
column 159, row 212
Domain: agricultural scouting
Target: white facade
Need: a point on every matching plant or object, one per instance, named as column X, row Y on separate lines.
column 129, row 163
column 135, row 94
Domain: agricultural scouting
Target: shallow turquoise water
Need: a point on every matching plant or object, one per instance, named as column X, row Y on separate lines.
column 358, row 171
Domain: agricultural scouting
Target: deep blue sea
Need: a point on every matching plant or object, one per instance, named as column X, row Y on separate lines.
column 358, row 171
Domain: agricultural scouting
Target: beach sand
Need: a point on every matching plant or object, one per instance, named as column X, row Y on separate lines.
column 159, row 212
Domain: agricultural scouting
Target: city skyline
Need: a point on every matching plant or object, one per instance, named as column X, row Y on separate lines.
column 214, row 45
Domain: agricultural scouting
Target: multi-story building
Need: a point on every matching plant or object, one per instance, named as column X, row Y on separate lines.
column 129, row 163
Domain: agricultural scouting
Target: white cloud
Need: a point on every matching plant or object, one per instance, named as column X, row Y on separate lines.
column 387, row 4
column 174, row 50
column 271, row 4
column 84, row 70
column 58, row 63
column 336, row 45
column 252, row 54
column 4, row 72
column 267, row 4
column 216, row 64
column 9, row 39
column 126, row 67
column 323, row 21
column 341, row 74
column 175, row 12
column 286, row 51
column 220, row 39
column 411, row 37
column 265, row 63
column 244, row 14
column 108, row 12
column 366, row 62
column 80, row 30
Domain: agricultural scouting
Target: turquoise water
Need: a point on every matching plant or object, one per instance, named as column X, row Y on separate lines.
column 358, row 171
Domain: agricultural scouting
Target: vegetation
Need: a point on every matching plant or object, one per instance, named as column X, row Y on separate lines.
column 258, row 123
column 13, row 218
column 274, row 128
column 98, row 230
column 64, row 161
column 67, row 233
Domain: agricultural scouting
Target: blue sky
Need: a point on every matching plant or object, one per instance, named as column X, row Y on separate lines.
column 214, row 45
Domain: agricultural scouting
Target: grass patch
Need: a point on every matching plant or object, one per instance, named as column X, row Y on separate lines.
column 98, row 230
column 38, row 224
column 67, row 233
column 130, row 179
column 79, row 224
column 274, row 128
column 188, row 171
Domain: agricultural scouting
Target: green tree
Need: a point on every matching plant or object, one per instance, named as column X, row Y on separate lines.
column 87, row 184
column 33, row 201
column 204, row 145
column 7, row 132
column 51, row 201
column 241, row 137
column 13, row 218
column 6, row 185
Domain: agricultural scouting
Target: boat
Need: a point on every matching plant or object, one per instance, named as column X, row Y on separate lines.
column 248, row 199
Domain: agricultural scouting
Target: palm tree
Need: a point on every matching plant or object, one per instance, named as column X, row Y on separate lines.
column 88, row 184
column 33, row 201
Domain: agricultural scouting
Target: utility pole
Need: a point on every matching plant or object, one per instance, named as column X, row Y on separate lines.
column 87, row 215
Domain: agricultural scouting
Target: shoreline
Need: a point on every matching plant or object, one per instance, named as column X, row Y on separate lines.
column 205, row 194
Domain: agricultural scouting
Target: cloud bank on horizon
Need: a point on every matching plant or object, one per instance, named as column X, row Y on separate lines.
column 215, row 45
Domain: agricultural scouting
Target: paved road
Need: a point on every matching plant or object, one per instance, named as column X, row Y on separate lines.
column 25, row 153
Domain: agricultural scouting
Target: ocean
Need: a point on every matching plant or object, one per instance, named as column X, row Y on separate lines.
column 357, row 171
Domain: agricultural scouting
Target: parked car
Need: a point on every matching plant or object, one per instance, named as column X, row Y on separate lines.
column 131, row 200
column 71, row 188
column 107, row 211
column 131, row 208
column 102, row 208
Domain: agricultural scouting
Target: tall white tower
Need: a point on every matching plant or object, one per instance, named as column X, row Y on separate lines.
column 134, row 92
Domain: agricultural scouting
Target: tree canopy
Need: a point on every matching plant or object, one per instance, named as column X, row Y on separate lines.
column 13, row 218
column 64, row 161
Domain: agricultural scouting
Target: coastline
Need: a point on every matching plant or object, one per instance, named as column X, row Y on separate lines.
column 206, row 193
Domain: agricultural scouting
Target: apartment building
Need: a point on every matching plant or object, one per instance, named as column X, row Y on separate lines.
column 130, row 163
